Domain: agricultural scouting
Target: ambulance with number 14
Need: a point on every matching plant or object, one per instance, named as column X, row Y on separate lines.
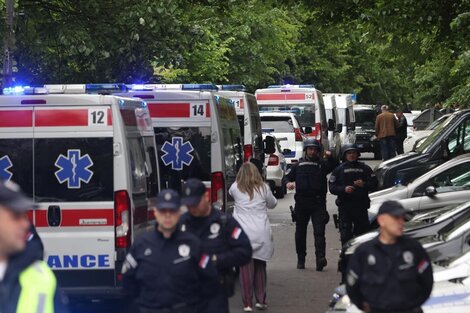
column 89, row 162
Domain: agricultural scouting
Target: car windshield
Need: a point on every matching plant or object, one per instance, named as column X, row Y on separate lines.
column 280, row 124
column 437, row 122
column 305, row 114
column 424, row 147
column 365, row 118
column 434, row 216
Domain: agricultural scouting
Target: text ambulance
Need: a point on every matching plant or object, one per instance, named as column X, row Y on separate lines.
column 197, row 135
column 89, row 162
column 303, row 100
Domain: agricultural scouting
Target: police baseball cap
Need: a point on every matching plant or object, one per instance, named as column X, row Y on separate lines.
column 193, row 190
column 12, row 198
column 393, row 208
column 168, row 199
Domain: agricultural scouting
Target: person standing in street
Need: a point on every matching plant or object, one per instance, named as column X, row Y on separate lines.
column 385, row 125
column 392, row 272
column 223, row 239
column 351, row 182
column 308, row 177
column 165, row 268
column 401, row 131
column 27, row 284
column 252, row 199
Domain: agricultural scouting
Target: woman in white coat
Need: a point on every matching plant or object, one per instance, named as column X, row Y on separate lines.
column 252, row 199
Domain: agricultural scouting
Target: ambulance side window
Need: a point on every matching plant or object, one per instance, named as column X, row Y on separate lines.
column 16, row 162
column 138, row 170
column 73, row 169
column 233, row 151
column 152, row 179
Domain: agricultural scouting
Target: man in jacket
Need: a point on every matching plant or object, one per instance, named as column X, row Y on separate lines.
column 222, row 238
column 401, row 131
column 351, row 182
column 385, row 125
column 27, row 284
column 308, row 177
column 392, row 272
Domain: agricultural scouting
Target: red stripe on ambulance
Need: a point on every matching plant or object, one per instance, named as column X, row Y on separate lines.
column 169, row 109
column 281, row 96
column 75, row 218
column 16, row 118
column 51, row 118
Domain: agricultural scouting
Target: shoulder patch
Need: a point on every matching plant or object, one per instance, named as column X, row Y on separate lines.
column 237, row 231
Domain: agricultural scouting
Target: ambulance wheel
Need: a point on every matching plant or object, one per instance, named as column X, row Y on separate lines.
column 279, row 192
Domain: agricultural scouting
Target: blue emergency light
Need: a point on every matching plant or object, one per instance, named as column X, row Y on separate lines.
column 105, row 88
column 199, row 87
column 24, row 90
column 232, row 87
column 290, row 86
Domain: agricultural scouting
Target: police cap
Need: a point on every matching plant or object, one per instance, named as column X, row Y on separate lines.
column 12, row 198
column 193, row 190
column 393, row 208
column 168, row 199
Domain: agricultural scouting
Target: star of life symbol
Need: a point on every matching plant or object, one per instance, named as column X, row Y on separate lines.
column 74, row 169
column 177, row 153
column 5, row 165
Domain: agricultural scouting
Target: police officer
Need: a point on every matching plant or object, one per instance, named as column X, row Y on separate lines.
column 392, row 272
column 308, row 177
column 222, row 238
column 351, row 182
column 27, row 284
column 165, row 268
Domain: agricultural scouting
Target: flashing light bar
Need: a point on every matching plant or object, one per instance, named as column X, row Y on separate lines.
column 290, row 86
column 232, row 87
column 105, row 88
column 24, row 90
column 153, row 87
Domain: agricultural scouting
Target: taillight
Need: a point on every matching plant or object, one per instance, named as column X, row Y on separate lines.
column 298, row 134
column 218, row 189
column 247, row 152
column 317, row 131
column 273, row 160
column 122, row 209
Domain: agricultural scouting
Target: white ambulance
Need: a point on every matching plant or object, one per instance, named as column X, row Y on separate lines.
column 197, row 135
column 89, row 162
column 345, row 106
column 248, row 119
column 303, row 100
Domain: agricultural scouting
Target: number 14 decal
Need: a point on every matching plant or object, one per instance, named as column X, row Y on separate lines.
column 198, row 110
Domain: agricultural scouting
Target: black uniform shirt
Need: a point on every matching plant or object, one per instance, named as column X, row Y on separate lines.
column 389, row 278
column 310, row 176
column 165, row 272
column 345, row 175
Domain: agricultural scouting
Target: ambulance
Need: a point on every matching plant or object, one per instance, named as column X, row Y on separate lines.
column 305, row 101
column 197, row 135
column 89, row 162
column 247, row 111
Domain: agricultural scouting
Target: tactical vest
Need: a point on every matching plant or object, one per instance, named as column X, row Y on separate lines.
column 38, row 286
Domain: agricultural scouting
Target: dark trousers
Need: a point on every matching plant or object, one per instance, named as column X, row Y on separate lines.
column 307, row 209
column 399, row 145
column 353, row 221
column 218, row 302
column 387, row 147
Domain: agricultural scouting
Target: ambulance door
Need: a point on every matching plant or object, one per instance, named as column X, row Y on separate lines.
column 73, row 186
column 16, row 147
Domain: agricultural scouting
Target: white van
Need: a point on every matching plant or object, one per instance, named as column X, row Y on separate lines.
column 345, row 106
column 197, row 135
column 334, row 136
column 305, row 101
column 89, row 162
column 248, row 119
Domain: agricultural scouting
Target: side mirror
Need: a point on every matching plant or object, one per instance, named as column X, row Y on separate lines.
column 331, row 125
column 339, row 128
column 269, row 145
column 308, row 130
column 430, row 191
column 352, row 126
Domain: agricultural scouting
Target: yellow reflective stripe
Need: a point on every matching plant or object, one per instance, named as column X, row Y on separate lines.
column 38, row 285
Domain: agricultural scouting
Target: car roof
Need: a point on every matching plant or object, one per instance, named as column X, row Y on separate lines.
column 364, row 107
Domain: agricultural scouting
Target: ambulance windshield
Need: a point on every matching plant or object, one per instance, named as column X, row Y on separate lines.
column 305, row 114
column 183, row 152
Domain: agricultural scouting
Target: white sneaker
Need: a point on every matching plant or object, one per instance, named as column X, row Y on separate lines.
column 247, row 309
column 261, row 306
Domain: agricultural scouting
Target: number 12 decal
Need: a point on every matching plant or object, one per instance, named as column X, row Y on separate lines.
column 97, row 117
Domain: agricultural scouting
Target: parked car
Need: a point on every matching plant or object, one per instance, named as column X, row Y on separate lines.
column 450, row 139
column 334, row 136
column 276, row 166
column 285, row 125
column 425, row 118
column 344, row 104
column 415, row 138
column 366, row 140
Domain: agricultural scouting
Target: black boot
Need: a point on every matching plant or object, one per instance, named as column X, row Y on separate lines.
column 321, row 263
column 300, row 263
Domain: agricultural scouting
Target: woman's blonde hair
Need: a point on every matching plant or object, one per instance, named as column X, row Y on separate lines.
column 249, row 179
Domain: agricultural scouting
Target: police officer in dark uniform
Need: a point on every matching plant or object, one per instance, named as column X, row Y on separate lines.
column 165, row 268
column 308, row 177
column 392, row 272
column 351, row 182
column 222, row 238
